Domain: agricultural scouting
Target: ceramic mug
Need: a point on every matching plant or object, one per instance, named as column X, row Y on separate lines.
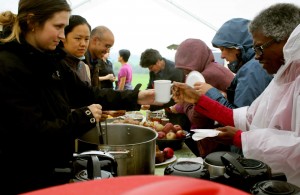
column 162, row 90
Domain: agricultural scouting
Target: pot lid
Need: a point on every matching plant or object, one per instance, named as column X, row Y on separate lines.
column 187, row 166
column 275, row 187
column 251, row 163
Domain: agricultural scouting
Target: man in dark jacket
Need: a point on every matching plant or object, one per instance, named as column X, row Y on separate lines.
column 163, row 69
column 102, row 39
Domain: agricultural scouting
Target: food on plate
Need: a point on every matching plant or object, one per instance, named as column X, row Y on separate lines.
column 114, row 113
column 162, row 155
column 148, row 124
column 168, row 152
column 159, row 155
column 136, row 115
column 127, row 121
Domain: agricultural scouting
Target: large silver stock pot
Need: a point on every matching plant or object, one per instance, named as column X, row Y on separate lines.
column 132, row 146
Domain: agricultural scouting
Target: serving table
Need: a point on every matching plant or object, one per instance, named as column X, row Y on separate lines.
column 144, row 184
column 184, row 152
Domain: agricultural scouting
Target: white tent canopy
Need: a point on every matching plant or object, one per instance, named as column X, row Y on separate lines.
column 141, row 24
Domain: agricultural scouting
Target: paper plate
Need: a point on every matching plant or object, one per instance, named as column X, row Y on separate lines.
column 203, row 133
column 194, row 77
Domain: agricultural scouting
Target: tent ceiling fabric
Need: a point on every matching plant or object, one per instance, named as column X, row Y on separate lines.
column 141, row 24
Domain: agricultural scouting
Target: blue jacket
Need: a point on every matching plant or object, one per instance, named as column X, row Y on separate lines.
column 251, row 79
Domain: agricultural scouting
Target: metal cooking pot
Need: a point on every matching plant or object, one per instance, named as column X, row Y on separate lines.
column 132, row 146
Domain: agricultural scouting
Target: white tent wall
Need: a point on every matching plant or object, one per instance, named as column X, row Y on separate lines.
column 141, row 24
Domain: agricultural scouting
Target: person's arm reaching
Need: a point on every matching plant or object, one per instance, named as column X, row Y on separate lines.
column 214, row 110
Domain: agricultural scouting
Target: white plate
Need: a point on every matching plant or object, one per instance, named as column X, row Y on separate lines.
column 203, row 133
column 194, row 77
column 168, row 161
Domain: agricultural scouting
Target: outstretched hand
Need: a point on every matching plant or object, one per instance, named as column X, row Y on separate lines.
column 184, row 93
column 226, row 135
column 146, row 97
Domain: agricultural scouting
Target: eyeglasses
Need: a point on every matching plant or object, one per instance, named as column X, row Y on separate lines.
column 259, row 50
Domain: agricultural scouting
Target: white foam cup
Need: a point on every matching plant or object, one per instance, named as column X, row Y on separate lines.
column 162, row 89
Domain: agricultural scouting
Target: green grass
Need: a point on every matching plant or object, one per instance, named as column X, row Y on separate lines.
column 140, row 78
column 143, row 79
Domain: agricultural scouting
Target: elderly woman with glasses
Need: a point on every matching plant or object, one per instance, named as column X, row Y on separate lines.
column 269, row 129
column 250, row 80
column 236, row 45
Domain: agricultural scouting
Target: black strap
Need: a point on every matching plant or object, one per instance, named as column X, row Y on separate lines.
column 229, row 161
column 93, row 167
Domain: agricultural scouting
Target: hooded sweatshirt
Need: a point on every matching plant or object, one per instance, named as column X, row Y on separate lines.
column 194, row 54
column 250, row 79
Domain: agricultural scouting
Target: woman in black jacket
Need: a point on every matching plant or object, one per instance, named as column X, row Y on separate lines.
column 37, row 127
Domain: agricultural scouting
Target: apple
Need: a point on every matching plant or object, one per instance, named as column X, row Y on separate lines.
column 171, row 135
column 168, row 152
column 177, row 127
column 180, row 134
column 161, row 135
column 158, row 126
column 168, row 127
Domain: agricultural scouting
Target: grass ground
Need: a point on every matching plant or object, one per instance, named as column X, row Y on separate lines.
column 143, row 79
column 140, row 78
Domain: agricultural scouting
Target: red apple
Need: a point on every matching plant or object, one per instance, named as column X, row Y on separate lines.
column 171, row 135
column 168, row 152
column 168, row 127
column 177, row 127
column 180, row 134
column 161, row 135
